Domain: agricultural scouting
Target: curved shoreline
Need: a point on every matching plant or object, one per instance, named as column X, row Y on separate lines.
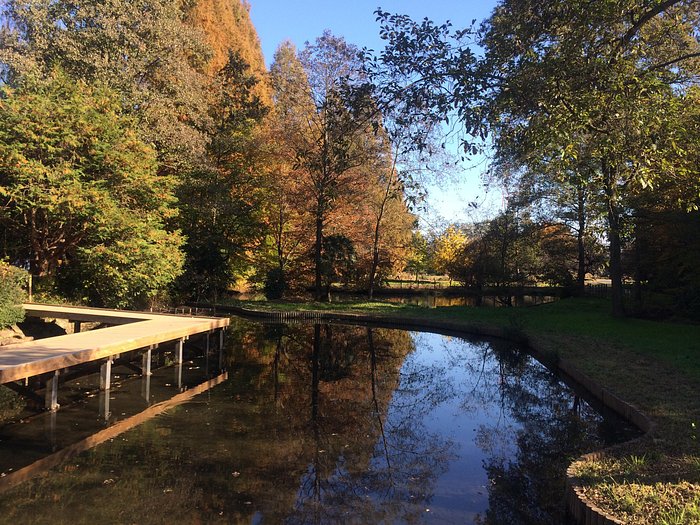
column 578, row 506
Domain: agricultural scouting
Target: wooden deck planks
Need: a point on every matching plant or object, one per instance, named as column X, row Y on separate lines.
column 133, row 330
column 98, row 315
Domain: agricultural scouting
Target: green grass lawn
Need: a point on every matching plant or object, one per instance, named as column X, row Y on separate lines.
column 653, row 365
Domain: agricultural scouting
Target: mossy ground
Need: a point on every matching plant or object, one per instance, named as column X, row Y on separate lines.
column 653, row 365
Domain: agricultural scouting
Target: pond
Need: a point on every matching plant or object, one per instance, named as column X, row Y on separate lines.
column 315, row 424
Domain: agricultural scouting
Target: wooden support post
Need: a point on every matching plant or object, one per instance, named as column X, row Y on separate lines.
column 221, row 349
column 178, row 375
column 178, row 351
column 146, row 388
column 76, row 327
column 207, row 342
column 104, row 412
column 146, row 361
column 106, row 374
column 52, row 392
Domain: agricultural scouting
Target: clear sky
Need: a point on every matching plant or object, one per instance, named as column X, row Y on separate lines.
column 304, row 20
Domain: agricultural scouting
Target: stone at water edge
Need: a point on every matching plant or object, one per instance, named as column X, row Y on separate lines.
column 13, row 334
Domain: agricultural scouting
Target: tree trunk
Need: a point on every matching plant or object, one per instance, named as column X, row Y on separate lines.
column 637, row 290
column 373, row 269
column 318, row 286
column 581, row 236
column 378, row 224
column 614, row 227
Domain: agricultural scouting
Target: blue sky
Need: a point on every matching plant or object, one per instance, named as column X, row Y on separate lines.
column 304, row 20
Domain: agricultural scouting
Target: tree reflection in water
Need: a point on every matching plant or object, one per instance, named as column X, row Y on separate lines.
column 339, row 424
column 387, row 477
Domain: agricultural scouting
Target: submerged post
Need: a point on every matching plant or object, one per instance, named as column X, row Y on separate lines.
column 50, row 430
column 146, row 361
column 146, row 388
column 104, row 405
column 221, row 349
column 178, row 375
column 178, row 350
column 106, row 374
column 52, row 392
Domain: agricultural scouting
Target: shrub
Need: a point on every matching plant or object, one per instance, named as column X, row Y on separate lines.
column 275, row 284
column 11, row 294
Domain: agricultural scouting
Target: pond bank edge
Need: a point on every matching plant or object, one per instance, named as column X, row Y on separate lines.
column 580, row 508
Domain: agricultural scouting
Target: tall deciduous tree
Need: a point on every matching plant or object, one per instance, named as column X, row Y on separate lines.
column 390, row 227
column 601, row 83
column 288, row 215
column 561, row 81
column 559, row 198
column 79, row 192
column 143, row 49
column 447, row 247
column 330, row 125
column 407, row 150
column 222, row 201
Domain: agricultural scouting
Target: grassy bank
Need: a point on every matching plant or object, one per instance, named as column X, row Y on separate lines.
column 653, row 365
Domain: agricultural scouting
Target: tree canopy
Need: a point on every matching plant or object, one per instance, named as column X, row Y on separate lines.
column 78, row 187
column 605, row 96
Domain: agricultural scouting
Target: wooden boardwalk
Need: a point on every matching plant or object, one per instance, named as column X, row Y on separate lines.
column 131, row 331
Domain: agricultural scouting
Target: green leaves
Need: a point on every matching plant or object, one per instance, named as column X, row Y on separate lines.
column 12, row 281
column 142, row 49
column 78, row 186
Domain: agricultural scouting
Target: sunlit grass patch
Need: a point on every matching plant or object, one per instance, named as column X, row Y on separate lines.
column 649, row 504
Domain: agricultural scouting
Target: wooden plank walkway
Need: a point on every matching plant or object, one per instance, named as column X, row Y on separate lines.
column 132, row 331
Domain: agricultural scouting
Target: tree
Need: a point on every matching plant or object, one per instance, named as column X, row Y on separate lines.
column 134, row 264
column 222, row 200
column 329, row 125
column 360, row 191
column 446, row 249
column 76, row 184
column 338, row 259
column 390, row 227
column 561, row 82
column 563, row 205
column 142, row 49
column 577, row 83
column 408, row 150
column 287, row 214
column 417, row 260
column 390, row 189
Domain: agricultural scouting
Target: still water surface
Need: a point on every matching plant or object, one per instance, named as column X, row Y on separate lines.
column 326, row 424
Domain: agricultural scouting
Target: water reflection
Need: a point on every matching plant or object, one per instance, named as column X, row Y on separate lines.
column 439, row 299
column 338, row 424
